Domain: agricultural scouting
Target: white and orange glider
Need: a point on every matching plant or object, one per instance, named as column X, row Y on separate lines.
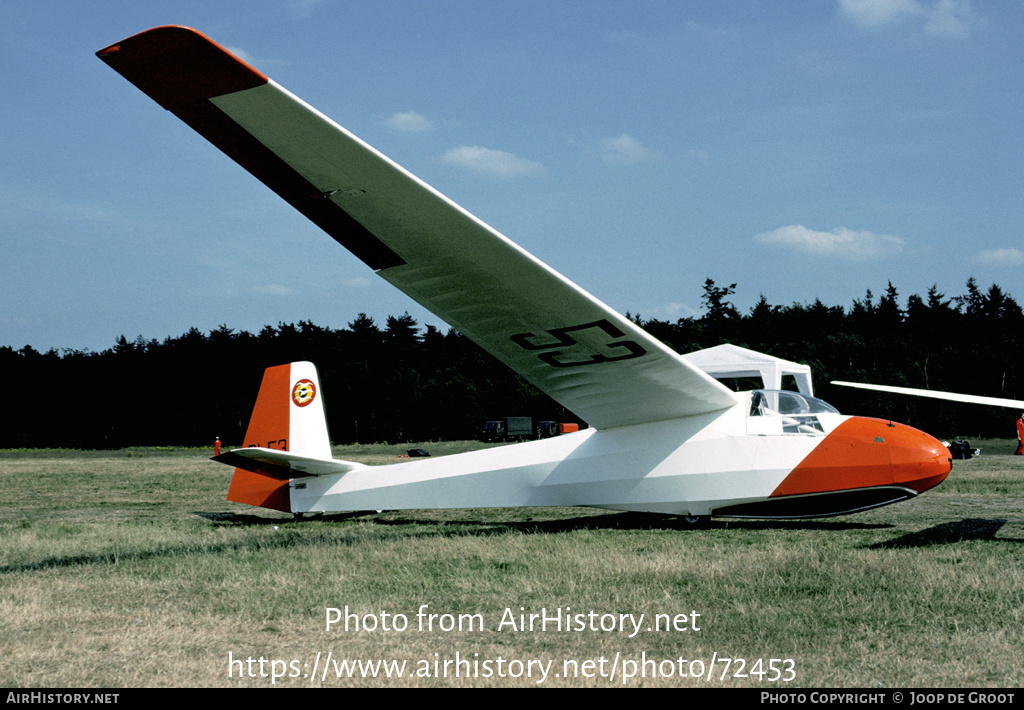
column 664, row 436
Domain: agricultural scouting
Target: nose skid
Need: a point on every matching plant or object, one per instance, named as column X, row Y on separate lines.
column 870, row 453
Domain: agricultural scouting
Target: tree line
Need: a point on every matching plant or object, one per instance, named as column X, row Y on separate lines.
column 400, row 382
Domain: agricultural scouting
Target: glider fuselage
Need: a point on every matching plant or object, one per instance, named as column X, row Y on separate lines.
column 693, row 466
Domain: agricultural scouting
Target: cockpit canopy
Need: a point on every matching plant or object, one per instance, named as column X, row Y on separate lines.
column 764, row 402
column 796, row 413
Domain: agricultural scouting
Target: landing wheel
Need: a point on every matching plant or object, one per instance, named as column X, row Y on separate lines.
column 695, row 521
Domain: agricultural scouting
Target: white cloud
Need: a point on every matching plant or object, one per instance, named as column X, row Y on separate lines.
column 696, row 155
column 273, row 290
column 243, row 55
column 951, row 18
column 875, row 13
column 672, row 310
column 357, row 282
column 496, row 163
column 625, row 150
column 303, row 9
column 409, row 122
column 1009, row 257
column 840, row 243
column 264, row 64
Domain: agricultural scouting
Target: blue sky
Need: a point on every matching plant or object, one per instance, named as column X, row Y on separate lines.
column 803, row 149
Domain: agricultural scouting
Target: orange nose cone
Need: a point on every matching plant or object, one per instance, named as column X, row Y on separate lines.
column 866, row 453
column 919, row 461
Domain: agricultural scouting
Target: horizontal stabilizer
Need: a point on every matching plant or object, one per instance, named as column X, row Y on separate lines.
column 284, row 465
column 949, row 396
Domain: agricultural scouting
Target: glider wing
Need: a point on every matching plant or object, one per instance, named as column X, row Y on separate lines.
column 595, row 362
column 948, row 396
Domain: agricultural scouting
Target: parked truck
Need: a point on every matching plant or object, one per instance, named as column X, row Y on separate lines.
column 508, row 429
column 546, row 429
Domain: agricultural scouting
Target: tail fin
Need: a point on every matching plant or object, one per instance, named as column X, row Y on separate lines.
column 289, row 412
column 288, row 416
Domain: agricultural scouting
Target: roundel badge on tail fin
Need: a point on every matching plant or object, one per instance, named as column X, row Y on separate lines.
column 303, row 393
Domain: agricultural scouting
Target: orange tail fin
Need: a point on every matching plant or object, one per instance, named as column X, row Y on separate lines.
column 288, row 416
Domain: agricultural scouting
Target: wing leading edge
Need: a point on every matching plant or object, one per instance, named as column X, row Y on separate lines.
column 587, row 357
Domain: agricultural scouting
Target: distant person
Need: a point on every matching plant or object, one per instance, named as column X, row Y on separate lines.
column 216, row 443
column 1020, row 435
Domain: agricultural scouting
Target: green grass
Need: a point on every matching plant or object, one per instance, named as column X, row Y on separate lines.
column 128, row 568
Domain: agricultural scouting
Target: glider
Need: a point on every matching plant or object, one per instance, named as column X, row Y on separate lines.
column 664, row 436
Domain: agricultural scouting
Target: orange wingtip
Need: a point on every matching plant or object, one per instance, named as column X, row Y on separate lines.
column 178, row 65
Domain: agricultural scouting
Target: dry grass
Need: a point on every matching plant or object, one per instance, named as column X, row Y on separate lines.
column 129, row 569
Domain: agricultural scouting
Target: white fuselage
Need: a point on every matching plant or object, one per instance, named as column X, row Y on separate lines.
column 687, row 466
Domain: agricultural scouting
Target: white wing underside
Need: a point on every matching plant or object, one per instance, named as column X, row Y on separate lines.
column 580, row 352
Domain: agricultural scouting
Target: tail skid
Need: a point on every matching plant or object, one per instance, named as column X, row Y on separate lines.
column 286, row 438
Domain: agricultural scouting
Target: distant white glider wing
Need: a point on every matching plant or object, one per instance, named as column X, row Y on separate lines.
column 950, row 396
column 587, row 357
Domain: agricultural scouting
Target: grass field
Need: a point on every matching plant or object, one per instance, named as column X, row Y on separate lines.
column 129, row 569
